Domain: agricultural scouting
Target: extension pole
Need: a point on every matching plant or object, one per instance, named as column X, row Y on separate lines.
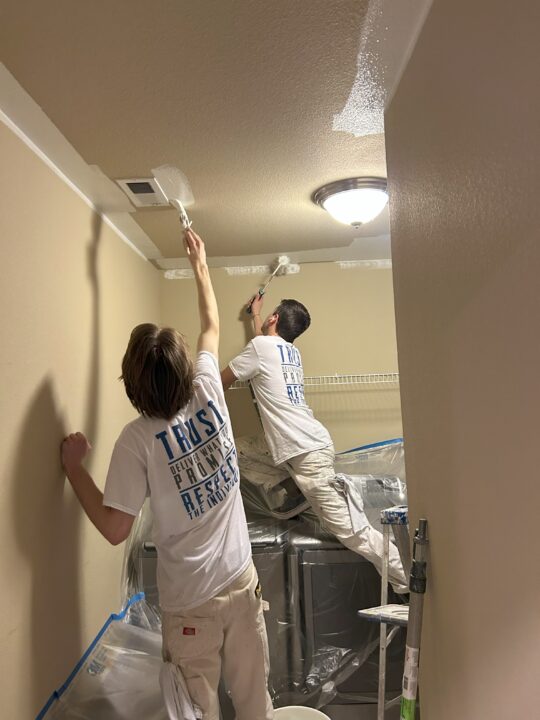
column 383, row 638
column 417, row 587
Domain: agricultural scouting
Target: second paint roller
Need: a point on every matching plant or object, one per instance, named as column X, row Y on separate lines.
column 282, row 266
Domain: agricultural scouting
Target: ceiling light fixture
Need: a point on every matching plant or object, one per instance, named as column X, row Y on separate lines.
column 354, row 201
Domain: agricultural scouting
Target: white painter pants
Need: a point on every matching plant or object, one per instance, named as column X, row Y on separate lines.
column 314, row 474
column 227, row 634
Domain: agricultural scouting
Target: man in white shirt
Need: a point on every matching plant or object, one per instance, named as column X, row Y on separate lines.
column 180, row 452
column 273, row 366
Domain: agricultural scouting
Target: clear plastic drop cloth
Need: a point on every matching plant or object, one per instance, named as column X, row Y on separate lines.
column 321, row 652
column 134, row 578
column 267, row 489
column 367, row 480
column 118, row 677
column 379, row 471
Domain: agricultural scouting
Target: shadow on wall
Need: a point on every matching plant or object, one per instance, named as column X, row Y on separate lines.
column 47, row 523
column 48, row 518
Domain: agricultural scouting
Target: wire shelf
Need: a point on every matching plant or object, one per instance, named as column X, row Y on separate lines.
column 331, row 380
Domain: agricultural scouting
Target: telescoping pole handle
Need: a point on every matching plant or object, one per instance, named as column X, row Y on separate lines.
column 259, row 293
column 417, row 587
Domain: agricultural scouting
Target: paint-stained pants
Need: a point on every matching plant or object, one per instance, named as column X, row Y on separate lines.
column 226, row 635
column 314, row 474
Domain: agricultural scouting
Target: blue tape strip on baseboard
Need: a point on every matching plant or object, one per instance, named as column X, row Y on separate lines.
column 57, row 694
column 393, row 441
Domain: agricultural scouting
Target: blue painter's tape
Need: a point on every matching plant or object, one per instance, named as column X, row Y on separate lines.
column 382, row 443
column 57, row 694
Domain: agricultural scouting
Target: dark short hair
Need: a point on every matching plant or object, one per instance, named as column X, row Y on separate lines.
column 293, row 319
column 157, row 371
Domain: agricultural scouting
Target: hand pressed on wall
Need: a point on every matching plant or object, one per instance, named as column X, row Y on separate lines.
column 75, row 448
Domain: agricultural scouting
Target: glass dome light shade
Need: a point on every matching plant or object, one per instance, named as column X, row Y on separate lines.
column 356, row 207
column 354, row 201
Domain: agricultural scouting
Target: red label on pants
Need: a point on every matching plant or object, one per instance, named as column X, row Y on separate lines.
column 189, row 631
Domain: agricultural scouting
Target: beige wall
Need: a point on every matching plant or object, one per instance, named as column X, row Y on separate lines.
column 463, row 147
column 71, row 291
column 352, row 331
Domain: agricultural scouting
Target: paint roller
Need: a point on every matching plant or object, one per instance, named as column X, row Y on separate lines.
column 175, row 186
column 281, row 267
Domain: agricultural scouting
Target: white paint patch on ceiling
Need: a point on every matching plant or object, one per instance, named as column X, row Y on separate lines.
column 388, row 38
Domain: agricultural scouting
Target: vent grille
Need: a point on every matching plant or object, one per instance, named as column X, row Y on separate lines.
column 143, row 192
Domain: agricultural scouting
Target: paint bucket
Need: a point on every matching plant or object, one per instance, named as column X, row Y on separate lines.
column 299, row 713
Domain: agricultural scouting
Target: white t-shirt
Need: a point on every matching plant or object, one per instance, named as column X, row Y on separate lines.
column 188, row 467
column 274, row 368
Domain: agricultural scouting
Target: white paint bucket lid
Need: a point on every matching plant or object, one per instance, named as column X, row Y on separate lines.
column 299, row 713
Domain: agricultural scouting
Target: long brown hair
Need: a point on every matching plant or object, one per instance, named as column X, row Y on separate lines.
column 157, row 371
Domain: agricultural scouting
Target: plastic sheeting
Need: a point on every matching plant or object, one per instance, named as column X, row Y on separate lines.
column 118, row 676
column 380, row 470
column 320, row 651
column 368, row 479
column 269, row 491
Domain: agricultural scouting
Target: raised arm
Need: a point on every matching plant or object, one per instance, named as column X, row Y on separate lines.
column 208, row 309
column 256, row 304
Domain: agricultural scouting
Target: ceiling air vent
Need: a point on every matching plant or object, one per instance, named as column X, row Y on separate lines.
column 143, row 192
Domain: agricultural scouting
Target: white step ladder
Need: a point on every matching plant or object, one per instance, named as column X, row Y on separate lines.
column 397, row 616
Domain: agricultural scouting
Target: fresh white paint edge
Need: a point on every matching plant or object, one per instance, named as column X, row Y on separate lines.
column 380, row 264
column 289, row 269
column 389, row 35
column 376, row 264
column 248, row 270
column 179, row 275
column 24, row 111
column 364, row 249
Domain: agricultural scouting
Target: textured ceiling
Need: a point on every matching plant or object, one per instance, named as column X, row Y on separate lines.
column 240, row 94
